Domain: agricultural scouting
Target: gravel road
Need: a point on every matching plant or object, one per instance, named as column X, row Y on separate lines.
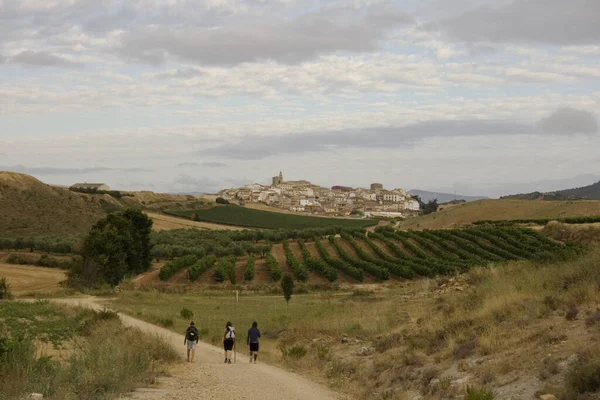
column 209, row 378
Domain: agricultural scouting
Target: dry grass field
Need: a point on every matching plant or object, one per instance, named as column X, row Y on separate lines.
column 462, row 214
column 28, row 279
column 166, row 222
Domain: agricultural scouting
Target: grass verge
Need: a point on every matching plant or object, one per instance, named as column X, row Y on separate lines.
column 71, row 353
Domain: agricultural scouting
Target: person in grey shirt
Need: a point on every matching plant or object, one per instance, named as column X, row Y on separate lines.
column 252, row 341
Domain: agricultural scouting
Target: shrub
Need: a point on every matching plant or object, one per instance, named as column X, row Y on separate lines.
column 221, row 200
column 323, row 351
column 167, row 322
column 287, row 284
column 20, row 259
column 249, row 269
column 479, row 394
column 171, row 268
column 585, row 376
column 299, row 269
column 593, row 319
column 465, row 349
column 296, row 351
column 571, row 313
column 274, row 268
column 200, row 266
column 225, row 269
column 186, row 313
column 5, row 292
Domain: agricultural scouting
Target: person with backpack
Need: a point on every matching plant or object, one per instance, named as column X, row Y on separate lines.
column 228, row 341
column 252, row 341
column 191, row 338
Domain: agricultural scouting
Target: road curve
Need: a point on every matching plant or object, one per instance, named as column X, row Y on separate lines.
column 209, row 378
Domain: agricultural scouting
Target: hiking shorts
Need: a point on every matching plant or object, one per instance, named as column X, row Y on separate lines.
column 191, row 345
column 228, row 344
column 254, row 347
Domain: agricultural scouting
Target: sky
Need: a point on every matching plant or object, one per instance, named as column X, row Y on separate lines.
column 480, row 97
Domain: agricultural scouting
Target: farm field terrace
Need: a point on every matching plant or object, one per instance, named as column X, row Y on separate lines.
column 241, row 216
column 357, row 256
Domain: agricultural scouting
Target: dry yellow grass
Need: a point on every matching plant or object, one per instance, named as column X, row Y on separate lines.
column 28, row 279
column 166, row 222
column 29, row 207
column 459, row 215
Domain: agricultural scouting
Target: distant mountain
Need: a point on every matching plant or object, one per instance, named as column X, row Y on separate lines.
column 443, row 197
column 590, row 192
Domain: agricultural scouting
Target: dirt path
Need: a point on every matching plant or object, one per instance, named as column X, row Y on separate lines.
column 209, row 378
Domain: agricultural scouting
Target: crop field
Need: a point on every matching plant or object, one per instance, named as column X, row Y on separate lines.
column 241, row 216
column 359, row 256
column 460, row 215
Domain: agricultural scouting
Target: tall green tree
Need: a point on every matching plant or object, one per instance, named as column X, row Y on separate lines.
column 117, row 246
column 287, row 284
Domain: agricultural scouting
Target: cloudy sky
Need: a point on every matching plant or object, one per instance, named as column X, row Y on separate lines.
column 477, row 96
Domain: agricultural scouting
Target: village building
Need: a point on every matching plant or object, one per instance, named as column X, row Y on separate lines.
column 303, row 196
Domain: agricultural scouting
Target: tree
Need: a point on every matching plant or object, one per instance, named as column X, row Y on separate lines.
column 429, row 207
column 287, row 284
column 221, row 200
column 117, row 246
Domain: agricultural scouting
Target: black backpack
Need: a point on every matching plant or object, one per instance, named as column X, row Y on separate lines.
column 191, row 334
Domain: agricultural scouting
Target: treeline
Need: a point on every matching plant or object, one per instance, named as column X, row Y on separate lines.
column 50, row 244
column 113, row 193
column 42, row 261
column 539, row 221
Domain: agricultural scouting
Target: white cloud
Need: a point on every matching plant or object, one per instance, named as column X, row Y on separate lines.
column 280, row 68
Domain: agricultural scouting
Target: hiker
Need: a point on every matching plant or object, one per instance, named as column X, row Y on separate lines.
column 228, row 341
column 252, row 341
column 191, row 338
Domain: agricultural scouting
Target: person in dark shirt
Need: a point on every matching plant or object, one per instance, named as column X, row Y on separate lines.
column 191, row 339
column 252, row 341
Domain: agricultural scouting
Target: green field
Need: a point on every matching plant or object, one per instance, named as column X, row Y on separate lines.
column 240, row 216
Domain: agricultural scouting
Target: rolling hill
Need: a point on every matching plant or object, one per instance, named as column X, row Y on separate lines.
column 466, row 213
column 31, row 208
column 590, row 192
column 443, row 197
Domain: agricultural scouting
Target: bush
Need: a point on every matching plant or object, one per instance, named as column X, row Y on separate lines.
column 221, row 200
column 296, row 351
column 274, row 268
column 479, row 394
column 200, row 266
column 186, row 314
column 287, row 285
column 44, row 261
column 5, row 292
column 171, row 268
column 585, row 376
column 225, row 269
column 249, row 270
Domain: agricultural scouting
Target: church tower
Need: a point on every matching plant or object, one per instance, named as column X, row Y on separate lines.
column 278, row 180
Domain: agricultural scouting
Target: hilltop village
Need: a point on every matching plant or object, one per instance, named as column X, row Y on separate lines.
column 303, row 196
